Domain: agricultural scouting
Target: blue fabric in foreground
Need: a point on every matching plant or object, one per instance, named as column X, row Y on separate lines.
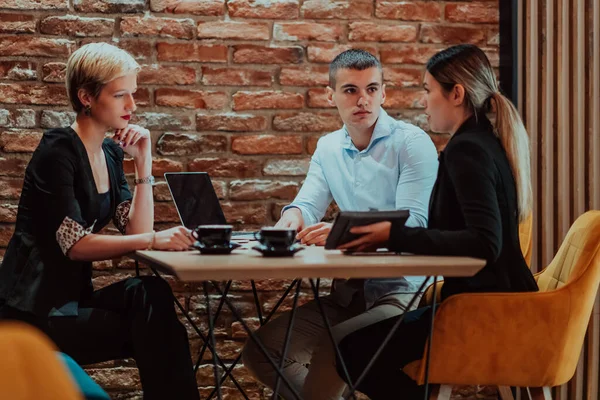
column 90, row 389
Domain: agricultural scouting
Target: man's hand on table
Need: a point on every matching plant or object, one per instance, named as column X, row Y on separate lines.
column 315, row 234
column 291, row 218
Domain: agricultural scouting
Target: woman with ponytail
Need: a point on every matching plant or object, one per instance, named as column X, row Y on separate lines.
column 482, row 192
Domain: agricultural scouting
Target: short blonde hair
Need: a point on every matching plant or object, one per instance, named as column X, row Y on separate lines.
column 94, row 65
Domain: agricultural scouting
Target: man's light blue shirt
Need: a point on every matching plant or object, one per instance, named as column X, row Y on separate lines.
column 397, row 170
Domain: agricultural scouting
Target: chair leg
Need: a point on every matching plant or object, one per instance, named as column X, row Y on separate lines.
column 519, row 394
column 540, row 393
column 441, row 392
column 505, row 393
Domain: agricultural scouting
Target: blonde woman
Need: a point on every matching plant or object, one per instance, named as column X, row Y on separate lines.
column 74, row 185
column 481, row 193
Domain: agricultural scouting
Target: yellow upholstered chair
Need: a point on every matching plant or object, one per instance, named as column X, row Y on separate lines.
column 526, row 238
column 526, row 241
column 530, row 339
column 30, row 368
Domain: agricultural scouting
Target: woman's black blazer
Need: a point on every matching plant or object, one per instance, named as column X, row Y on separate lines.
column 473, row 212
column 59, row 191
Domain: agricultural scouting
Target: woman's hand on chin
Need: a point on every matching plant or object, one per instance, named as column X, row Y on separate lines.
column 134, row 140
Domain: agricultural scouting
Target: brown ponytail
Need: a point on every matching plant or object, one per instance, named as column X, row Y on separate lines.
column 514, row 138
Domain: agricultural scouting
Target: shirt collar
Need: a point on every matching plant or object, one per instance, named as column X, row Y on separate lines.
column 382, row 129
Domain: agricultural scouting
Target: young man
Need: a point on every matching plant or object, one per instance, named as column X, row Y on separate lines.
column 374, row 161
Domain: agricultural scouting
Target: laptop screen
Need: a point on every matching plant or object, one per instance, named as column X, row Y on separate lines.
column 195, row 199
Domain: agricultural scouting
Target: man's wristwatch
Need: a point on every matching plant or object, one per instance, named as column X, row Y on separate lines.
column 147, row 180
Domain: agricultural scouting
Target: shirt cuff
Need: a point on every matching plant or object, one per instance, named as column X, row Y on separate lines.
column 121, row 218
column 284, row 209
column 70, row 232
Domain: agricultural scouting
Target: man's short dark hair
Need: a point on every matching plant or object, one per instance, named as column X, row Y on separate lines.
column 352, row 59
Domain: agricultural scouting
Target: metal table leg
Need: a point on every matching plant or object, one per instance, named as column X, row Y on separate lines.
column 205, row 345
column 428, row 356
column 229, row 370
column 211, row 335
column 203, row 338
column 257, row 303
column 333, row 341
column 258, row 343
column 288, row 335
column 382, row 346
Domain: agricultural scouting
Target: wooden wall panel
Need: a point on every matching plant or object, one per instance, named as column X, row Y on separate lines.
column 559, row 98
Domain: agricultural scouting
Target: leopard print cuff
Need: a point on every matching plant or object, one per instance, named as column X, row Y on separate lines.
column 70, row 232
column 121, row 217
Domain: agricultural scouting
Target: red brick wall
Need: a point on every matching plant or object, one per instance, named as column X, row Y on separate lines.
column 235, row 88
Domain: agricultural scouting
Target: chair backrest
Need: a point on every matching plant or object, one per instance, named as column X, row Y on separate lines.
column 526, row 238
column 575, row 268
column 575, row 254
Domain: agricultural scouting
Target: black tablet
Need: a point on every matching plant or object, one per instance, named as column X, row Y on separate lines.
column 345, row 220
